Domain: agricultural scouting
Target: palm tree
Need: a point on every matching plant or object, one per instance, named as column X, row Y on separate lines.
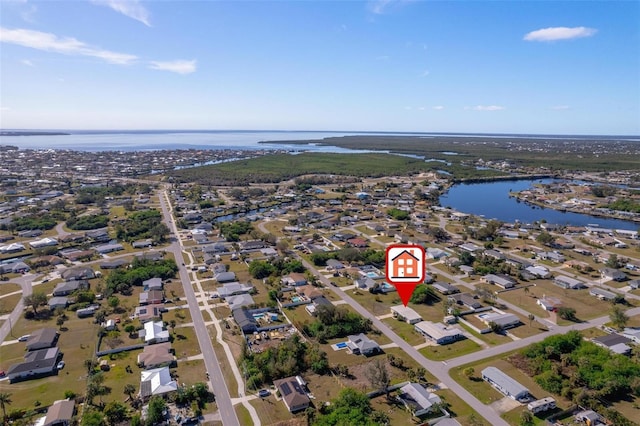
column 5, row 399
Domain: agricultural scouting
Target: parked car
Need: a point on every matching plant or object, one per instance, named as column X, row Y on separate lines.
column 24, row 338
column 263, row 393
column 60, row 365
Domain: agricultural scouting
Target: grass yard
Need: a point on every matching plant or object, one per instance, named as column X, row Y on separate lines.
column 452, row 350
column 7, row 287
column 513, row 416
column 377, row 304
column 586, row 306
column 271, row 411
column 185, row 342
column 524, row 300
column 77, row 344
column 405, row 331
column 243, row 415
column 8, row 302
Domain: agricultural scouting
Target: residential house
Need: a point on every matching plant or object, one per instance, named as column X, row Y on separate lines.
column 233, row 289
column 568, row 282
column 316, row 302
column 112, row 264
column 108, row 248
column 358, row 242
column 239, row 301
column 253, row 245
column 42, row 338
column 612, row 274
column 293, row 394
column 602, row 294
column 615, row 342
column 79, row 273
column 154, row 332
column 58, row 303
column 154, row 356
column 149, row 312
column 552, row 256
column 294, row 279
column 45, row 242
column 467, row 300
column 36, row 364
column 366, row 283
column 334, row 264
column 417, row 399
column 98, row 235
column 225, row 277
column 494, row 254
column 142, row 244
column 67, row 287
column 245, row 321
column 359, row 344
column 634, row 284
column 439, row 333
column 590, row 418
column 60, row 413
column 538, row 271
column 152, row 284
column 469, row 247
column 151, row 297
column 445, row 288
column 549, row 303
column 501, row 319
column 156, row 382
column 500, row 280
column 405, row 313
column 505, row 384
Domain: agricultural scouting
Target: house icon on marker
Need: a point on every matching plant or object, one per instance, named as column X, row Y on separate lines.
column 405, row 265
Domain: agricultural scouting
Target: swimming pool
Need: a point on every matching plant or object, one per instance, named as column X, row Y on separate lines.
column 258, row 316
column 296, row 299
column 341, row 345
column 483, row 316
column 371, row 274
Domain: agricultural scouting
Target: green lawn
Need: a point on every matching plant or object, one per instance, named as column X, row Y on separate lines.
column 455, row 349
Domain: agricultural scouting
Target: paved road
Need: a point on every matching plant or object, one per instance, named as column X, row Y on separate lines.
column 218, row 384
column 25, row 282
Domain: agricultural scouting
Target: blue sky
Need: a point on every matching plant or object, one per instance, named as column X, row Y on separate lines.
column 394, row 65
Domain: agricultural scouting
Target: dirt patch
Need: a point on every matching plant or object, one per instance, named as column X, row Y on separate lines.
column 505, row 404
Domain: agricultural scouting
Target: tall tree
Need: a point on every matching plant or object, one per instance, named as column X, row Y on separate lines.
column 378, row 375
column 618, row 317
column 35, row 299
column 5, row 399
column 129, row 390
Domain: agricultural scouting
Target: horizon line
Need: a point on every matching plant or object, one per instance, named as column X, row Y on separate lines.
column 382, row 132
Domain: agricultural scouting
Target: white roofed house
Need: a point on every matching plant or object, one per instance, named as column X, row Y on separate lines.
column 156, row 382
column 438, row 332
column 417, row 399
column 501, row 319
column 154, row 332
column 602, row 294
column 500, row 280
column 568, row 282
column 405, row 313
column 360, row 344
column 505, row 384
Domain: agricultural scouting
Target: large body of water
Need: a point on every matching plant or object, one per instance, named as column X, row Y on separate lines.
column 491, row 200
column 130, row 140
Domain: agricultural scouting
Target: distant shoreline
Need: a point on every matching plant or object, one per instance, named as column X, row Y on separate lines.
column 31, row 133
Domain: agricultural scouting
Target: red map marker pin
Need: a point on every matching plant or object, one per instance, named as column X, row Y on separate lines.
column 405, row 268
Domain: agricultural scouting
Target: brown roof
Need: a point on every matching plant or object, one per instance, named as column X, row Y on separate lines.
column 60, row 411
column 156, row 354
column 292, row 393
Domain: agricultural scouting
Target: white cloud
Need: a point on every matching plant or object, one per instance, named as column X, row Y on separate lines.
column 130, row 8
column 378, row 6
column 560, row 107
column 66, row 45
column 438, row 107
column 559, row 33
column 486, row 108
column 178, row 66
column 26, row 62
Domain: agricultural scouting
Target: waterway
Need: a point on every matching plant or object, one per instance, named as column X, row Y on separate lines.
column 491, row 200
